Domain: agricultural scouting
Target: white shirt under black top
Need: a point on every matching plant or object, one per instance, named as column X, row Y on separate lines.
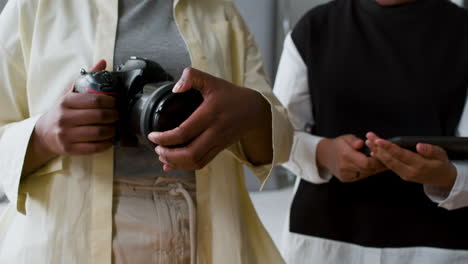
column 353, row 66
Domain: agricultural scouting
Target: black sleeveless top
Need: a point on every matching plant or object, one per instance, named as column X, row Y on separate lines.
column 397, row 71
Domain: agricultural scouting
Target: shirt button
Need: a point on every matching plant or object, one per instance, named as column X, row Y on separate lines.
column 203, row 58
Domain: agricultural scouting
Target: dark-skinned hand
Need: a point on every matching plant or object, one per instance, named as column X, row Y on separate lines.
column 78, row 124
column 429, row 165
column 227, row 113
column 342, row 158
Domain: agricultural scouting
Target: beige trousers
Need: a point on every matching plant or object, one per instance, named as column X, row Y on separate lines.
column 154, row 223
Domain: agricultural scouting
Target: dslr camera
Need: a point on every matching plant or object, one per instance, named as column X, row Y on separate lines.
column 145, row 100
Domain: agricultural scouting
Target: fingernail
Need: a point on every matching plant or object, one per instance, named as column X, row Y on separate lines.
column 153, row 135
column 159, row 150
column 425, row 147
column 177, row 87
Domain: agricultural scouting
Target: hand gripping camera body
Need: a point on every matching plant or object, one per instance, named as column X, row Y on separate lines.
column 145, row 99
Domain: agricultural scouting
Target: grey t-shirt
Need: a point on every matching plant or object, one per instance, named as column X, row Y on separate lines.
column 2, row 4
column 147, row 29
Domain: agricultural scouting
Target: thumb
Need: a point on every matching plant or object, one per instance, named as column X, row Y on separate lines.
column 192, row 78
column 354, row 142
column 431, row 151
column 99, row 66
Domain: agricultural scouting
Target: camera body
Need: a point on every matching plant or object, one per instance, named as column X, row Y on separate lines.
column 145, row 99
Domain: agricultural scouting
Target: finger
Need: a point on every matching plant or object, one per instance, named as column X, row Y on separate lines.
column 164, row 159
column 353, row 141
column 406, row 156
column 91, row 134
column 89, row 117
column 195, row 155
column 358, row 144
column 89, row 148
column 390, row 156
column 371, row 138
column 183, row 158
column 431, row 151
column 88, row 101
column 205, row 159
column 193, row 78
column 99, row 66
column 167, row 168
column 351, row 153
column 191, row 128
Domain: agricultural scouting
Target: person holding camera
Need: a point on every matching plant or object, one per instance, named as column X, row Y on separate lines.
column 77, row 193
column 357, row 72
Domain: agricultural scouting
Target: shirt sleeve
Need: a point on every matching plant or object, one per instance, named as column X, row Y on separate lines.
column 15, row 128
column 16, row 123
column 255, row 78
column 292, row 89
column 458, row 196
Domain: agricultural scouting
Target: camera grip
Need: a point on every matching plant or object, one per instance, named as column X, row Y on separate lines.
column 100, row 82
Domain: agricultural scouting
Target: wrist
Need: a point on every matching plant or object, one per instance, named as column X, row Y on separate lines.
column 39, row 140
column 39, row 146
column 323, row 148
column 257, row 141
column 263, row 109
column 38, row 152
column 450, row 178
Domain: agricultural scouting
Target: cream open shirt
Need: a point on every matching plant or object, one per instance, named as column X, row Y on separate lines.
column 62, row 214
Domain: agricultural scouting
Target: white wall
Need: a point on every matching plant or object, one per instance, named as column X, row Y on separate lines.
column 260, row 18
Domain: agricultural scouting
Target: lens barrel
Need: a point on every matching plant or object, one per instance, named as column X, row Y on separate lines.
column 158, row 109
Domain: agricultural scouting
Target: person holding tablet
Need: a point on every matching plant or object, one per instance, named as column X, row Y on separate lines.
column 354, row 73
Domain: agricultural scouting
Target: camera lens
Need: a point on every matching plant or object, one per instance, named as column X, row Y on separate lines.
column 158, row 109
column 174, row 109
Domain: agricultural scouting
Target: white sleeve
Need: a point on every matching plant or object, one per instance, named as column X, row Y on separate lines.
column 458, row 196
column 292, row 89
